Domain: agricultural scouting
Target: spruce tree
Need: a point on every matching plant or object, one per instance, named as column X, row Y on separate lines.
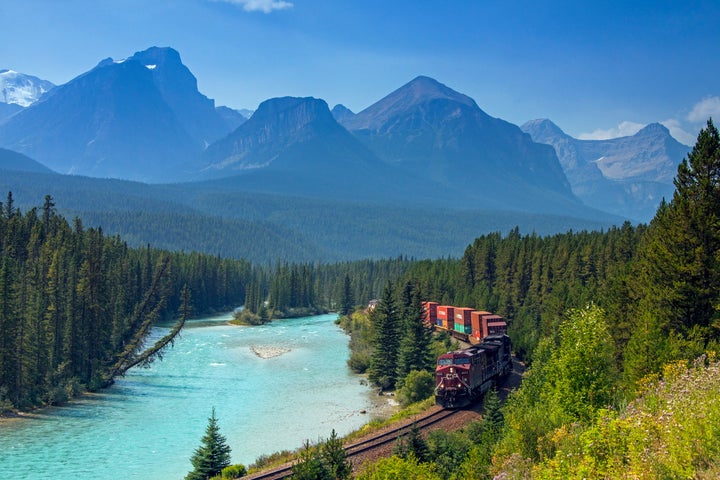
column 412, row 444
column 493, row 416
column 310, row 465
column 212, row 455
column 335, row 458
column 385, row 320
column 677, row 276
column 346, row 298
column 414, row 350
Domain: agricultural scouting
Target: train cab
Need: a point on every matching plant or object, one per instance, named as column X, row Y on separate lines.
column 453, row 376
column 463, row 376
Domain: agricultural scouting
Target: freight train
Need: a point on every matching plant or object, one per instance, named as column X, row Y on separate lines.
column 463, row 376
column 465, row 324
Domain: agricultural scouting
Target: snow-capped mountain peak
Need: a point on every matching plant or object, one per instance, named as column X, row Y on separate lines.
column 21, row 89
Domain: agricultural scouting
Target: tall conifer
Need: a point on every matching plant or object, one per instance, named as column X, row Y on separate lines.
column 385, row 320
column 212, row 456
column 678, row 272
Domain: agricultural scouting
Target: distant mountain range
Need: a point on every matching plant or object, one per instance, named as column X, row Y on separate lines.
column 143, row 118
column 626, row 176
column 140, row 118
column 429, row 129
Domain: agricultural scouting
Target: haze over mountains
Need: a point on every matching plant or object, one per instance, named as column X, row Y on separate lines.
column 424, row 147
column 626, row 176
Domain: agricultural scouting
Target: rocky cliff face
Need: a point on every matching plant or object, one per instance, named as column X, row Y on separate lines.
column 626, row 176
column 141, row 118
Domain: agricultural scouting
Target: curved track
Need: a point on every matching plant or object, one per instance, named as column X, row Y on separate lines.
column 376, row 440
column 381, row 439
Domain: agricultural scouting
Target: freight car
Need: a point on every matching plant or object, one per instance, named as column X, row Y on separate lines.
column 463, row 376
column 465, row 324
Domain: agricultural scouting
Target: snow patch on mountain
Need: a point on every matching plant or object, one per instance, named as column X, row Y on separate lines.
column 21, row 89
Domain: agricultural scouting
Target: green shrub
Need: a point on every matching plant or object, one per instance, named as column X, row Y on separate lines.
column 417, row 386
column 234, row 471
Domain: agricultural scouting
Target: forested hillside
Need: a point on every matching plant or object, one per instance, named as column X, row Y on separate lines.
column 264, row 228
column 73, row 300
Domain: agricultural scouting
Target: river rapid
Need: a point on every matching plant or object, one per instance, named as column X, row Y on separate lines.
column 272, row 387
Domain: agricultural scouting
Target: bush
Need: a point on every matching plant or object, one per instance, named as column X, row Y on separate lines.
column 234, row 471
column 246, row 317
column 417, row 386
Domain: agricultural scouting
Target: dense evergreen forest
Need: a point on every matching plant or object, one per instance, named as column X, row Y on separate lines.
column 75, row 302
column 72, row 301
column 263, row 228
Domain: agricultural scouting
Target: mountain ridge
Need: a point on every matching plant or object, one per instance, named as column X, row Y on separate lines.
column 143, row 118
column 626, row 175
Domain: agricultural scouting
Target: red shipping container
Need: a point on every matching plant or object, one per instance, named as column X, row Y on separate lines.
column 430, row 312
column 463, row 322
column 498, row 327
column 495, row 320
column 476, row 319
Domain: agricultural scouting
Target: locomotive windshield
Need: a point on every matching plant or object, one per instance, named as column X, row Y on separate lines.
column 445, row 361
column 462, row 361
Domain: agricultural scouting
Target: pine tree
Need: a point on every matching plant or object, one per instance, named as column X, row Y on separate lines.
column 212, row 456
column 677, row 276
column 335, row 458
column 310, row 465
column 414, row 349
column 385, row 320
column 346, row 299
column 493, row 416
column 412, row 444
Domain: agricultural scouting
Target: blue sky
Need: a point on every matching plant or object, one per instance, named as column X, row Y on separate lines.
column 597, row 69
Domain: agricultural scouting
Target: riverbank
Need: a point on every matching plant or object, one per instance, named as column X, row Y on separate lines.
column 158, row 414
column 244, row 317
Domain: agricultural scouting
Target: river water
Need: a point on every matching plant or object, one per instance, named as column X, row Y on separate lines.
column 149, row 423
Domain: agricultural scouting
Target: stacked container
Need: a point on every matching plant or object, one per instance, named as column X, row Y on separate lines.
column 431, row 313
column 445, row 316
column 463, row 323
column 495, row 324
column 478, row 325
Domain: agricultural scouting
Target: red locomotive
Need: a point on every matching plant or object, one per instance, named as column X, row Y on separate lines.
column 463, row 376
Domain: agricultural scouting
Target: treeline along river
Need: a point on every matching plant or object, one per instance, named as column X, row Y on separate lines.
column 272, row 386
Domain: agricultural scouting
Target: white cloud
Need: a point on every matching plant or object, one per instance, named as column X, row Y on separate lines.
column 678, row 132
column 704, row 109
column 624, row 129
column 265, row 6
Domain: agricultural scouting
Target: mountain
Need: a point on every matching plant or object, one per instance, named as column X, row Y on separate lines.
column 440, row 134
column 178, row 87
column 625, row 176
column 294, row 146
column 20, row 89
column 233, row 118
column 15, row 161
column 141, row 118
column 7, row 110
column 341, row 113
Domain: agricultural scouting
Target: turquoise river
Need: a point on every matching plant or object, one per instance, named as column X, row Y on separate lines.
column 272, row 386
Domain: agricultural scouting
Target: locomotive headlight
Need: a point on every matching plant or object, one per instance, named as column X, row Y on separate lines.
column 452, row 370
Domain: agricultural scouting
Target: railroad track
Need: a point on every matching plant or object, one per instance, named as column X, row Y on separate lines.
column 362, row 446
